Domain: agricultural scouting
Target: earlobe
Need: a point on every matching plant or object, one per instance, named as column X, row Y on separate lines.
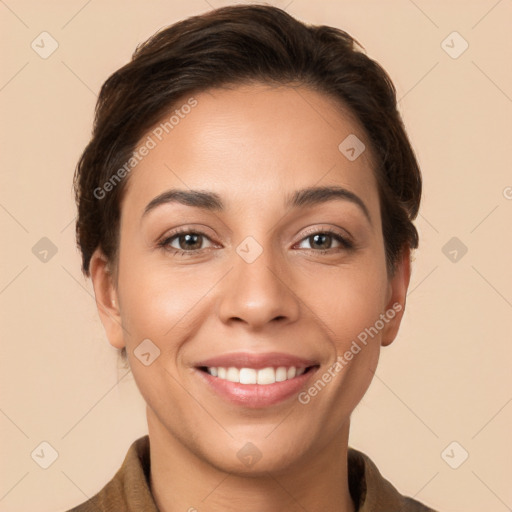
column 395, row 307
column 106, row 298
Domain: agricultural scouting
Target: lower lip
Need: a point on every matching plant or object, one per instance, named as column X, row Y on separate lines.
column 256, row 395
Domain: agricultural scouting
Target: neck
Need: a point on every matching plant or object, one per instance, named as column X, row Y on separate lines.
column 183, row 481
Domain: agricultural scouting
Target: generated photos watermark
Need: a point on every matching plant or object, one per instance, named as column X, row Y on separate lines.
column 343, row 360
column 151, row 141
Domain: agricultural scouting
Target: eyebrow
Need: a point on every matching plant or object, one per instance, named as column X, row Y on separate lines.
column 211, row 201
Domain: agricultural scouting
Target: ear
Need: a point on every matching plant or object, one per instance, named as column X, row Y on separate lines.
column 397, row 293
column 106, row 298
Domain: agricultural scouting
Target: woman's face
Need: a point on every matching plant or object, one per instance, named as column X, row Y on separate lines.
column 269, row 271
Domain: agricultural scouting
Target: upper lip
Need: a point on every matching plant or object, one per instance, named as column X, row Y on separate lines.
column 256, row 361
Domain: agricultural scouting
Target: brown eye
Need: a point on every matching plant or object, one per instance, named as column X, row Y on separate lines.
column 320, row 241
column 324, row 240
column 187, row 241
column 191, row 241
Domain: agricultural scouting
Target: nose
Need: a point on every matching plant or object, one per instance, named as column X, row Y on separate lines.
column 258, row 293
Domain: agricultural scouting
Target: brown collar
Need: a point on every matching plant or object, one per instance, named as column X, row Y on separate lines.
column 129, row 489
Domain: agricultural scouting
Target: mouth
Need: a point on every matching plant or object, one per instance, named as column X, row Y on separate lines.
column 256, row 380
column 263, row 377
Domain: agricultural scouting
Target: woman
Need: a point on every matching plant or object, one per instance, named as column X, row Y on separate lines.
column 245, row 215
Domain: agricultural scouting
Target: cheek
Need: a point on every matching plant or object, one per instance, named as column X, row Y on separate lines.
column 349, row 312
column 356, row 313
column 158, row 303
column 348, row 300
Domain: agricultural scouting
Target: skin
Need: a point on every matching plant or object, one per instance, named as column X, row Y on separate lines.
column 293, row 298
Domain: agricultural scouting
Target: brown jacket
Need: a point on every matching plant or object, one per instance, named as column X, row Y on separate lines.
column 129, row 491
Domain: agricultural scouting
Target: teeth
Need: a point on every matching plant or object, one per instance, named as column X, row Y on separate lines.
column 265, row 376
column 248, row 376
column 233, row 375
column 251, row 376
column 281, row 374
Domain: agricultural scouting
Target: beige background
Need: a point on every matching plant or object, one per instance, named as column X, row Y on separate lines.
column 446, row 378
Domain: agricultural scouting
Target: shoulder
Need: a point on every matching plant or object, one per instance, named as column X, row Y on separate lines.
column 372, row 492
column 129, row 489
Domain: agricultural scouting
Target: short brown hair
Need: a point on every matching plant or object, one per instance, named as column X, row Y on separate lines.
column 235, row 45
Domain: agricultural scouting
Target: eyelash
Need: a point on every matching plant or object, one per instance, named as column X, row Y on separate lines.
column 164, row 243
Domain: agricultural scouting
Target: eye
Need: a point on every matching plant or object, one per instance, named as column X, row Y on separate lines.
column 185, row 241
column 322, row 241
column 189, row 242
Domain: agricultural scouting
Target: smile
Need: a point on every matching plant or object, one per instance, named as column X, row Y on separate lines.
column 263, row 376
column 255, row 380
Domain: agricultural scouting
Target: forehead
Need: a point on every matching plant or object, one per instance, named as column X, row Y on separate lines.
column 253, row 143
